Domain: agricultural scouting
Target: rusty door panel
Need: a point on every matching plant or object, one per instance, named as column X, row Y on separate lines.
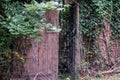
column 42, row 56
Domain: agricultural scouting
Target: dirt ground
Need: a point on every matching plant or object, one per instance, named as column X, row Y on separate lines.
column 103, row 77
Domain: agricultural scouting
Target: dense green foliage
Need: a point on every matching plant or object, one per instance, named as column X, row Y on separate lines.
column 20, row 19
column 93, row 12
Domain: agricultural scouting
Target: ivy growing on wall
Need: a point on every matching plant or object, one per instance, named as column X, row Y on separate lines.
column 93, row 12
column 92, row 16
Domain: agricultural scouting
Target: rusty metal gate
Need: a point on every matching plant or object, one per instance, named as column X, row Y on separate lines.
column 41, row 58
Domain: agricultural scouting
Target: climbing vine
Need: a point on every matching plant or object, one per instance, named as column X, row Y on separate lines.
column 93, row 13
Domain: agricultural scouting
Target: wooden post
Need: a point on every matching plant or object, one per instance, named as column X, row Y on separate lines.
column 77, row 42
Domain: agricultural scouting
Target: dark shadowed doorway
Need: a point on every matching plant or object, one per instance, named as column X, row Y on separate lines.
column 67, row 42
